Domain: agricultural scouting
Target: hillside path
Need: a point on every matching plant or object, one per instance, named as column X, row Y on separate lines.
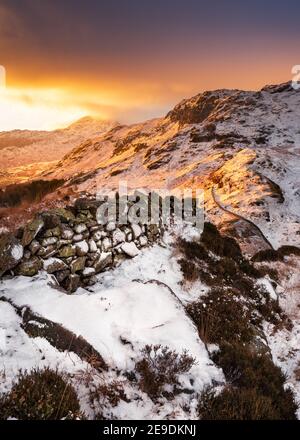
column 240, row 217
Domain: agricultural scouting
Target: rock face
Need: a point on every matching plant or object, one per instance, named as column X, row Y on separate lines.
column 197, row 109
column 11, row 252
column 69, row 244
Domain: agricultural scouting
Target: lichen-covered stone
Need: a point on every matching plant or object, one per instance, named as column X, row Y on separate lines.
column 82, row 248
column 85, row 203
column 52, row 265
column 49, row 241
column 46, row 252
column 64, row 214
column 50, row 219
column 103, row 261
column 67, row 251
column 11, row 252
column 83, row 216
column 62, row 243
column 34, row 247
column 29, row 268
column 54, row 232
column 78, row 264
column 66, row 233
column 31, row 230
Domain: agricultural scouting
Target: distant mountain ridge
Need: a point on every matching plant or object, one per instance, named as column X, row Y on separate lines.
column 22, row 147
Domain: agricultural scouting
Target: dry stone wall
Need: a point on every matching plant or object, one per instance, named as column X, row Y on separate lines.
column 69, row 244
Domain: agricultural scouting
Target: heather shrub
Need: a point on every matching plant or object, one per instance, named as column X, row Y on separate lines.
column 288, row 250
column 229, row 267
column 236, row 404
column 231, row 249
column 41, row 395
column 192, row 250
column 218, row 244
column 221, row 316
column 159, row 367
column 266, row 255
column 244, row 368
column 189, row 270
column 212, row 239
column 231, row 315
column 35, row 191
column 106, row 394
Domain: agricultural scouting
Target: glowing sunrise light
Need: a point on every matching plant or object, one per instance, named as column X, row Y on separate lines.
column 43, row 109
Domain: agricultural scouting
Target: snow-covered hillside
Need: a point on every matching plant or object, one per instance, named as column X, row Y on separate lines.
column 221, row 306
column 20, row 148
column 246, row 145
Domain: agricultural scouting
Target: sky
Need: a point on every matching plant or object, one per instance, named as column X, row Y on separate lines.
column 131, row 60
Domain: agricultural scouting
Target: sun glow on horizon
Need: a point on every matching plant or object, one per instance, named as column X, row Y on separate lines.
column 37, row 109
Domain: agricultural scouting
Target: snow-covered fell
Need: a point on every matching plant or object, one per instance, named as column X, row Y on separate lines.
column 245, row 145
column 22, row 148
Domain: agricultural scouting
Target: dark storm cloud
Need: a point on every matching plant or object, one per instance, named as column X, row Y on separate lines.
column 100, row 36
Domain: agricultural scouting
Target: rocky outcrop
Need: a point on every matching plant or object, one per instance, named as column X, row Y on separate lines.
column 69, row 244
column 198, row 108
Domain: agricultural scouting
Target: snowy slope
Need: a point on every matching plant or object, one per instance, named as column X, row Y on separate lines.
column 23, row 147
column 119, row 308
column 246, row 145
